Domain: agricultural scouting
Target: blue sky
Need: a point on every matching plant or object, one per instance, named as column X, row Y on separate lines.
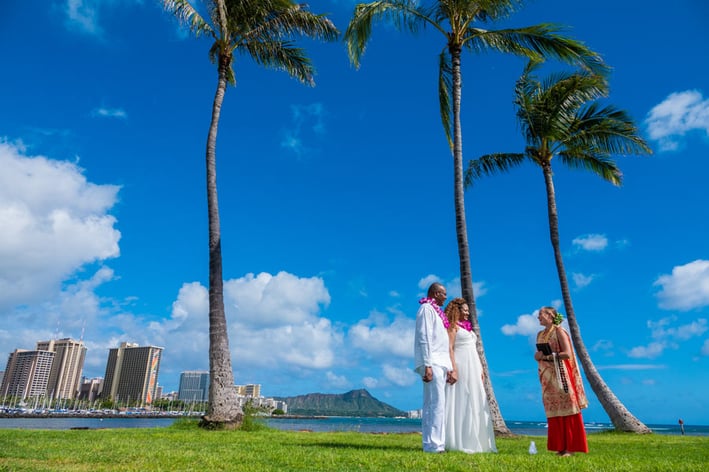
column 337, row 207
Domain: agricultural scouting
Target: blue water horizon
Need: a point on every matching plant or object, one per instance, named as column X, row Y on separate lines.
column 320, row 424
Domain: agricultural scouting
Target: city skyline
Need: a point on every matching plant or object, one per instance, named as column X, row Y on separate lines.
column 52, row 370
column 60, row 375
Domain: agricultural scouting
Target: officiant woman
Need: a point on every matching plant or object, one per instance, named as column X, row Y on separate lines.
column 562, row 389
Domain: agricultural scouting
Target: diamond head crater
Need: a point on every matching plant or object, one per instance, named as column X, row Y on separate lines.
column 353, row 403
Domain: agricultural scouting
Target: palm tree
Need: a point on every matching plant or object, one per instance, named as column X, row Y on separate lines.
column 562, row 118
column 261, row 29
column 455, row 20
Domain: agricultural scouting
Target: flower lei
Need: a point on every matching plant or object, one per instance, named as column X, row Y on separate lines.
column 558, row 318
column 466, row 325
column 435, row 306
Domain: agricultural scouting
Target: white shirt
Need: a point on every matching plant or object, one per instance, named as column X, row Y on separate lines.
column 430, row 340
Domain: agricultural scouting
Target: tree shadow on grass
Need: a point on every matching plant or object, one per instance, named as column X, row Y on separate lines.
column 363, row 447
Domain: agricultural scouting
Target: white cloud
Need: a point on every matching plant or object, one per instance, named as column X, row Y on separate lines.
column 185, row 334
column 307, row 124
column 677, row 115
column 271, row 300
column 75, row 312
column 479, row 289
column 400, row 376
column 581, row 280
column 109, row 113
column 651, row 351
column 686, row 288
column 591, row 242
column 53, row 222
column 632, row 367
column 83, row 16
column 376, row 336
column 452, row 287
column 273, row 321
column 603, row 345
column 660, row 329
column 308, row 345
column 281, row 311
column 666, row 336
column 705, row 348
column 370, row 382
column 426, row 282
column 337, row 381
column 527, row 325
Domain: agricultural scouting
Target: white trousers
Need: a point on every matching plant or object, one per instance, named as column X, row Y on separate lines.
column 433, row 416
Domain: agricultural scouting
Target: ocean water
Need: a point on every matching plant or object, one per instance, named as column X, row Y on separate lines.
column 406, row 425
column 324, row 424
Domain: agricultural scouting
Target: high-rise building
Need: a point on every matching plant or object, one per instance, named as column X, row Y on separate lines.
column 249, row 390
column 27, row 374
column 132, row 374
column 90, row 389
column 65, row 377
column 194, row 386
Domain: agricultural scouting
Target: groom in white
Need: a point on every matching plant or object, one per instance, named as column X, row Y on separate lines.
column 433, row 363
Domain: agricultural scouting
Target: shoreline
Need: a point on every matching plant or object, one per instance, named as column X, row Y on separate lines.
column 156, row 416
column 297, row 423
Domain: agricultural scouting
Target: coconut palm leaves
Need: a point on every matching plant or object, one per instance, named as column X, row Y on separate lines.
column 263, row 30
column 260, row 29
column 561, row 118
column 460, row 22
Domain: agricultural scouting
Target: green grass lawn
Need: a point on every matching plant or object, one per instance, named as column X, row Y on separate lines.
column 186, row 448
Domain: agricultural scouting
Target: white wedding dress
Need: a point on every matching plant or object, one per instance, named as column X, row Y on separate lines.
column 468, row 421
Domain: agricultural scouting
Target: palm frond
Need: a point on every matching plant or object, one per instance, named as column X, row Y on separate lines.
column 282, row 55
column 293, row 20
column 187, row 15
column 403, row 14
column 607, row 129
column 466, row 11
column 490, row 164
column 445, row 92
column 561, row 116
column 536, row 42
column 600, row 164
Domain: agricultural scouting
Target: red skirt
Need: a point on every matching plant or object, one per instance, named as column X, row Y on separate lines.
column 566, row 433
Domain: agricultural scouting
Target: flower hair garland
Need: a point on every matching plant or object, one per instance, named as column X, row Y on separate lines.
column 558, row 318
column 435, row 306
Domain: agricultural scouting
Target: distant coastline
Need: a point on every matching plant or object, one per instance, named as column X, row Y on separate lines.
column 150, row 415
column 294, row 423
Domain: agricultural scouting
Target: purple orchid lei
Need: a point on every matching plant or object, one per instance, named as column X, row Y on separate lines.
column 435, row 306
column 466, row 325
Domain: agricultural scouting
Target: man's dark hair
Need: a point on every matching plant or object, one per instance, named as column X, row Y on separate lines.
column 432, row 289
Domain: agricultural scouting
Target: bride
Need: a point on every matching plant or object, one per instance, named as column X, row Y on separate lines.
column 468, row 421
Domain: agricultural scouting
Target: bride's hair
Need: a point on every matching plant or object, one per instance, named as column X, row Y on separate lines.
column 453, row 310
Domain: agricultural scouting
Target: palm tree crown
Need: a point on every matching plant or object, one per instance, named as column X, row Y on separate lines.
column 261, row 29
column 457, row 21
column 561, row 117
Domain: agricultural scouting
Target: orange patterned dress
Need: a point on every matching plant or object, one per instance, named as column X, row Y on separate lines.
column 563, row 396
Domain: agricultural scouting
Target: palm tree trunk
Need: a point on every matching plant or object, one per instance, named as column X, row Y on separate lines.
column 466, row 277
column 223, row 408
column 621, row 418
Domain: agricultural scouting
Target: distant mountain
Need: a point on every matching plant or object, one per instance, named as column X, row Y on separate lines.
column 354, row 403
